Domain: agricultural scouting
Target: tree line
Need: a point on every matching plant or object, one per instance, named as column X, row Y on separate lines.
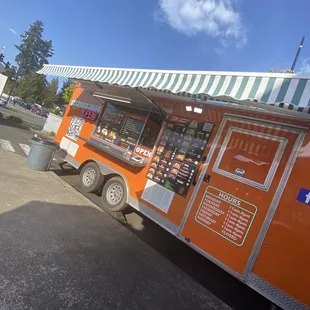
column 33, row 52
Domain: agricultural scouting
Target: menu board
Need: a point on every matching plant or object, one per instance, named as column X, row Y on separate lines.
column 228, row 216
column 179, row 153
column 121, row 126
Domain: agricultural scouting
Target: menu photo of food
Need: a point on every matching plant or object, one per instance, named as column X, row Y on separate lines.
column 174, row 170
column 156, row 178
column 162, row 165
column 154, row 165
column 180, row 157
column 112, row 135
column 179, row 152
column 150, row 175
column 156, row 159
column 104, row 131
column 169, row 153
column 160, row 149
column 159, row 173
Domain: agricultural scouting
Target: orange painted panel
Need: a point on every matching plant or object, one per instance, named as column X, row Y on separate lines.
column 284, row 258
column 238, row 209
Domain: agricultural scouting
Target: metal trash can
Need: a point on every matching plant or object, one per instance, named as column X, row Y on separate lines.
column 41, row 153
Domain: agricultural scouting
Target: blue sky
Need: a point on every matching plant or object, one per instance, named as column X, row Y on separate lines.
column 219, row 35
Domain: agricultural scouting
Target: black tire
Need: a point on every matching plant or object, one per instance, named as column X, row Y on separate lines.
column 114, row 194
column 91, row 178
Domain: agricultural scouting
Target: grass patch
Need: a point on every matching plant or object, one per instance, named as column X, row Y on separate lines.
column 34, row 127
column 15, row 119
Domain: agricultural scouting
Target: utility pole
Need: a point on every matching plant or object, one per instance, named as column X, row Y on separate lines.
column 297, row 54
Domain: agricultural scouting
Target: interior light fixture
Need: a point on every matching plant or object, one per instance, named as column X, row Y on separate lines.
column 113, row 98
column 198, row 110
column 189, row 108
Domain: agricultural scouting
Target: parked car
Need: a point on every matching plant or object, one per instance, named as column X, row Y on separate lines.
column 19, row 101
column 34, row 109
column 42, row 112
column 2, row 103
column 28, row 106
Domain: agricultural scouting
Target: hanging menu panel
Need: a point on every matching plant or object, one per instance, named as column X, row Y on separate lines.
column 120, row 127
column 179, row 153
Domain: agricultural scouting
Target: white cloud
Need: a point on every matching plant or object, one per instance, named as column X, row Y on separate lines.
column 305, row 66
column 13, row 31
column 215, row 18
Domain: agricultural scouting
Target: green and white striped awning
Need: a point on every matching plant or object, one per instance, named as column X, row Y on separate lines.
column 277, row 89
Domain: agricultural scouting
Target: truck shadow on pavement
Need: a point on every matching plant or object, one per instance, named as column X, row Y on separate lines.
column 56, row 256
column 224, row 286
column 228, row 289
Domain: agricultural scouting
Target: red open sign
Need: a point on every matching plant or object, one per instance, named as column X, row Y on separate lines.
column 90, row 115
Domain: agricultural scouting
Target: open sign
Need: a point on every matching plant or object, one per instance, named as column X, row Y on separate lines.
column 143, row 151
column 90, row 115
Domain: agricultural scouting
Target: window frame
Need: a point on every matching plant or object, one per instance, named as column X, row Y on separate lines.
column 99, row 140
column 274, row 165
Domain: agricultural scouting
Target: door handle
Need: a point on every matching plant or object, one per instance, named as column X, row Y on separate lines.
column 195, row 177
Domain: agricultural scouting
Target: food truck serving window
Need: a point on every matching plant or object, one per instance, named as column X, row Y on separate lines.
column 125, row 127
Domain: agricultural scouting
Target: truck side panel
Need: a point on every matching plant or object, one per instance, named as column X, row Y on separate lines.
column 283, row 260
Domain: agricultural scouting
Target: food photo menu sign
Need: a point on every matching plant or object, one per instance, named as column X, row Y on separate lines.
column 120, row 126
column 179, row 153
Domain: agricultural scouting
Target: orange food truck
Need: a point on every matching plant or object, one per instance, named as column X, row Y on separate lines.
column 221, row 160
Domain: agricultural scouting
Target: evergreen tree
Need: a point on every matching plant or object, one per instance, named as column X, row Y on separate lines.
column 32, row 88
column 50, row 94
column 34, row 51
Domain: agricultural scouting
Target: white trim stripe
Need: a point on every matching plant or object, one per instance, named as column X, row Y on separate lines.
column 275, row 90
column 204, row 85
column 291, row 90
column 261, row 89
column 214, row 85
column 225, row 85
column 305, row 98
column 248, row 88
column 236, row 86
column 196, row 82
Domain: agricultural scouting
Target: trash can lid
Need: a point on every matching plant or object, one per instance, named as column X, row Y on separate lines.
column 44, row 142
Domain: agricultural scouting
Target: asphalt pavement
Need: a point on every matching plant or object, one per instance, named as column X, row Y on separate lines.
column 60, row 251
column 228, row 289
column 28, row 117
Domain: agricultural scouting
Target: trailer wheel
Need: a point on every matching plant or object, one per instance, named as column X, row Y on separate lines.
column 114, row 194
column 91, row 178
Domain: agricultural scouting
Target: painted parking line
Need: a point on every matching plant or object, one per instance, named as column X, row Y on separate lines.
column 25, row 148
column 7, row 145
